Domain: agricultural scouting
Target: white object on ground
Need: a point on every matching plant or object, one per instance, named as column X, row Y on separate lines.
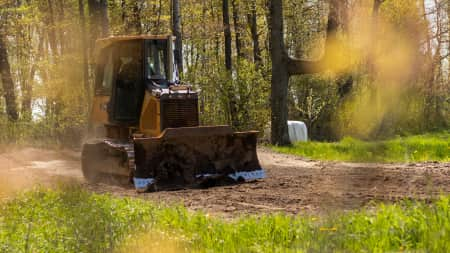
column 297, row 131
column 143, row 184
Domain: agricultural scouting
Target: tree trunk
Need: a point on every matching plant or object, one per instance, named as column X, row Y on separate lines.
column 376, row 8
column 8, row 84
column 280, row 76
column 227, row 34
column 252, row 22
column 123, row 5
column 52, row 29
column 103, row 5
column 176, row 28
column 134, row 22
column 60, row 19
column 27, row 85
column 376, row 98
column 84, row 49
column 27, row 89
column 448, row 28
column 237, row 29
column 158, row 23
column 229, row 91
column 98, row 16
column 374, row 35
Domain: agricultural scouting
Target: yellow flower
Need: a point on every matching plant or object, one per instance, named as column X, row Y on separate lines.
column 333, row 229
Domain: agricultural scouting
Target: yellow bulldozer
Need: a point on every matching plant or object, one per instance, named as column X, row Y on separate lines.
column 144, row 124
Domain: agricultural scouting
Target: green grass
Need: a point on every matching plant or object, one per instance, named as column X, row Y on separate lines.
column 418, row 148
column 73, row 220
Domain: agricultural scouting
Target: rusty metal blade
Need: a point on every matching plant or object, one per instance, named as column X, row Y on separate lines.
column 183, row 156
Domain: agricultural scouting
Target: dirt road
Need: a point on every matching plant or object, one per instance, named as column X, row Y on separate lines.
column 293, row 184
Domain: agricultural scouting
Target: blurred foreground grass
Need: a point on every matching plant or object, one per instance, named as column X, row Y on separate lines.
column 74, row 220
column 417, row 148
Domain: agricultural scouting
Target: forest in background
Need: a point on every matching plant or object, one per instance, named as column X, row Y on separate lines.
column 387, row 69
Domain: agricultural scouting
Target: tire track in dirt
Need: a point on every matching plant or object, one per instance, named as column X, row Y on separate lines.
column 293, row 185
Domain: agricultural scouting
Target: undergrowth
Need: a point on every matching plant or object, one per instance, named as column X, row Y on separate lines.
column 418, row 148
column 73, row 220
column 42, row 133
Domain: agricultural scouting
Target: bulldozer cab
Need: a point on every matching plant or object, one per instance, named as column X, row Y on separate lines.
column 126, row 67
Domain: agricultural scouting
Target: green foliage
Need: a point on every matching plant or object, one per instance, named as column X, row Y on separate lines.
column 314, row 100
column 247, row 89
column 396, row 85
column 72, row 220
column 44, row 132
column 49, row 79
column 427, row 147
column 45, row 49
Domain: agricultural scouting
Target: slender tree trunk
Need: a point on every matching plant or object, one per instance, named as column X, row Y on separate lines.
column 229, row 93
column 27, row 89
column 158, row 23
column 448, row 45
column 227, row 34
column 27, row 85
column 252, row 22
column 374, row 34
column 376, row 9
column 176, row 28
column 435, row 71
column 104, row 21
column 371, row 62
column 87, row 89
column 237, row 29
column 52, row 29
column 8, row 84
column 42, row 52
column 60, row 18
column 205, row 43
column 98, row 16
column 123, row 5
column 217, row 42
column 135, row 24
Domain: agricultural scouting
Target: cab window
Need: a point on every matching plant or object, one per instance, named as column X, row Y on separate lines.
column 105, row 72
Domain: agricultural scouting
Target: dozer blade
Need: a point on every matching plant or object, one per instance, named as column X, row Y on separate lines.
column 197, row 156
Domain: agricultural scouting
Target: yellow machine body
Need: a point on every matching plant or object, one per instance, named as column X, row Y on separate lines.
column 144, row 123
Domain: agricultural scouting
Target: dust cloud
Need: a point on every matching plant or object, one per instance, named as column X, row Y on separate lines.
column 385, row 54
column 23, row 169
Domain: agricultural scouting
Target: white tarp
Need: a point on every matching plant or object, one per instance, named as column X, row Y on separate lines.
column 297, row 131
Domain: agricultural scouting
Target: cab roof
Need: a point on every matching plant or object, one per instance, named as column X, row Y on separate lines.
column 105, row 42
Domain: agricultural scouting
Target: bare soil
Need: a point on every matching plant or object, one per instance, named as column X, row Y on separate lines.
column 293, row 185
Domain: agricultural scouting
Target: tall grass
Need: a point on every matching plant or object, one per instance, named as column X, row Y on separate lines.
column 72, row 220
column 427, row 147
